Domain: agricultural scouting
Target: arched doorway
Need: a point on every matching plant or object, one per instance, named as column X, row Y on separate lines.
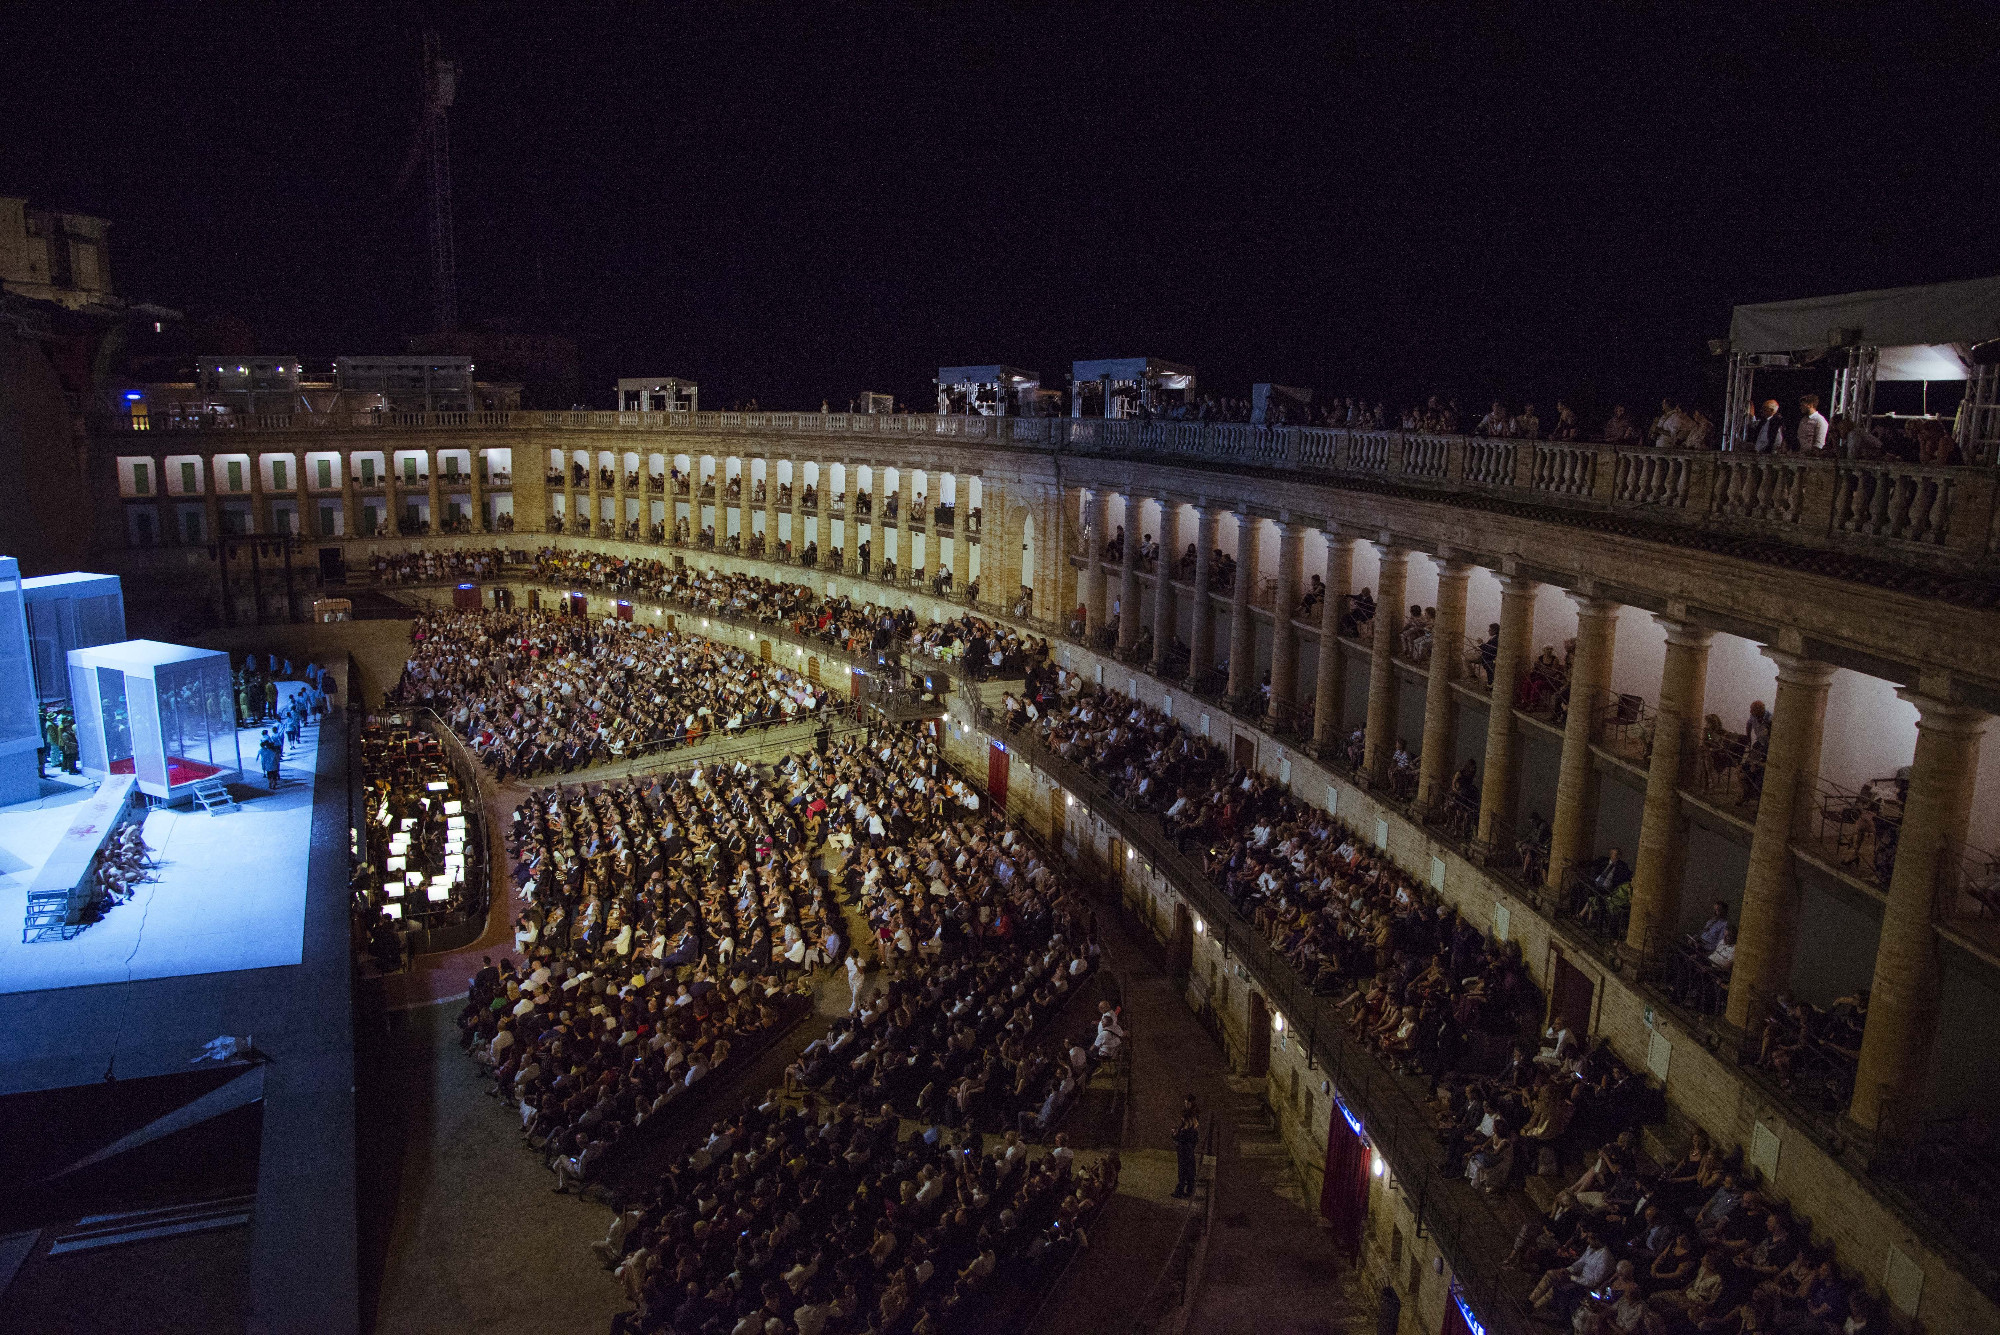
column 1257, row 1039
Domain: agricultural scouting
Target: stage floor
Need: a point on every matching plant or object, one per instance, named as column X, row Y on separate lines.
column 231, row 892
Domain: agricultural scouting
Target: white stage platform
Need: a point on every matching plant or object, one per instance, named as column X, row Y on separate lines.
column 231, row 892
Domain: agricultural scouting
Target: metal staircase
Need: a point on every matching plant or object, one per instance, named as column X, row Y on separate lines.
column 48, row 917
column 212, row 795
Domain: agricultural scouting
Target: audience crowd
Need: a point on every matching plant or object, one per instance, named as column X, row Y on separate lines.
column 535, row 692
column 672, row 917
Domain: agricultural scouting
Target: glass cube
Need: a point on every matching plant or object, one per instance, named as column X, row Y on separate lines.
column 163, row 712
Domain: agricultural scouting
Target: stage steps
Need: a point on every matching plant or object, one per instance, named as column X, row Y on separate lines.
column 212, row 795
column 48, row 916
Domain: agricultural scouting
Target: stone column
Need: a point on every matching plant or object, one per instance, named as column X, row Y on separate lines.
column 478, row 494
column 1440, row 705
column 1330, row 677
column 1575, row 818
column 436, row 492
column 211, row 499
column 1163, row 582
column 994, row 595
column 617, row 493
column 595, row 493
column 568, row 486
column 260, row 509
column 906, row 493
column 1893, row 1080
column 770, row 507
column 1496, row 788
column 1128, row 578
column 798, row 508
column 1051, row 546
column 1379, row 742
column 350, row 507
column 1242, row 685
column 1769, row 932
column 961, row 535
column 302, row 497
column 1657, row 863
column 1284, row 636
column 1096, row 532
column 850, row 536
column 392, row 495
column 745, row 489
column 1201, row 641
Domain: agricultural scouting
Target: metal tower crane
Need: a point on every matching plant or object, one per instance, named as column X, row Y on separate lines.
column 432, row 145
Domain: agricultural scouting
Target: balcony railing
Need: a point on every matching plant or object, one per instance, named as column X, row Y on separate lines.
column 1940, row 516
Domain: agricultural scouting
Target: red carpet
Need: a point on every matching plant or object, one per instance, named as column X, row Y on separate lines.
column 179, row 770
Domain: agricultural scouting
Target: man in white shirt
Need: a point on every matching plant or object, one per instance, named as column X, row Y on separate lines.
column 1812, row 427
column 1670, row 426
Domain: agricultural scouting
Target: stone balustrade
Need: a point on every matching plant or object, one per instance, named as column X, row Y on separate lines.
column 1903, row 512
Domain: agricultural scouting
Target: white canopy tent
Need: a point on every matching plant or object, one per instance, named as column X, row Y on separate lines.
column 985, row 391
column 1127, row 386
column 1897, row 333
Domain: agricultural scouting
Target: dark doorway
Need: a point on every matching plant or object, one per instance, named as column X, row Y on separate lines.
column 1180, row 950
column 1246, row 752
column 332, row 566
column 579, row 605
column 1257, row 1039
column 1570, row 998
column 466, row 598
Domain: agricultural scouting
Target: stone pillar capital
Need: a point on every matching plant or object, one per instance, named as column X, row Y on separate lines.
column 1590, row 605
column 1518, row 586
column 1796, row 669
column 1390, row 551
column 1944, row 716
column 1453, row 567
column 1684, row 633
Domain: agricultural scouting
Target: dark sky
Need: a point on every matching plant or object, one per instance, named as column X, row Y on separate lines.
column 797, row 203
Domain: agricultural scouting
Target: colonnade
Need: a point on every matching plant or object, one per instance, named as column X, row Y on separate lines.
column 248, row 491
column 1013, row 527
column 1903, row 1014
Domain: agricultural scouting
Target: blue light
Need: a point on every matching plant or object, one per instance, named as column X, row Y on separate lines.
column 466, row 586
column 1352, row 1121
column 1465, row 1310
column 134, row 394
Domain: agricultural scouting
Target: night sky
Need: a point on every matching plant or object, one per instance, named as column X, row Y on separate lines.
column 797, row 204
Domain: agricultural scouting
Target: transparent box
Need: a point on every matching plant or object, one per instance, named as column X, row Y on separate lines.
column 164, row 713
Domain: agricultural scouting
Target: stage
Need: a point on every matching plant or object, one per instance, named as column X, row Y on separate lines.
column 230, row 891
column 149, row 1189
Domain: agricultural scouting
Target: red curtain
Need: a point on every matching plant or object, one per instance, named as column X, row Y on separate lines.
column 1343, row 1196
column 996, row 775
column 465, row 598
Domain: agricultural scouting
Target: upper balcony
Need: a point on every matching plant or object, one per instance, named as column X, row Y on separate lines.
column 1942, row 518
